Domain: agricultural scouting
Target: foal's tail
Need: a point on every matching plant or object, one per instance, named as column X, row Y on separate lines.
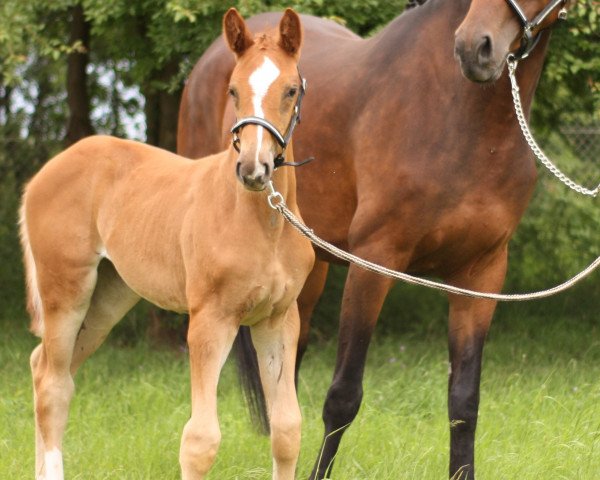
column 249, row 375
column 34, row 301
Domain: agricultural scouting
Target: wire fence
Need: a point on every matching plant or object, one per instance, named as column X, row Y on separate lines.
column 576, row 148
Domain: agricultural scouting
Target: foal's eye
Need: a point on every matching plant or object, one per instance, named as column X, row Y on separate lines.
column 232, row 92
column 292, row 92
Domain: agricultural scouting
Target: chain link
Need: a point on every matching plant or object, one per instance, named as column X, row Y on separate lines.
column 405, row 277
column 535, row 148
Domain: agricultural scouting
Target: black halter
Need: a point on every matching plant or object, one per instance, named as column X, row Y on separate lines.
column 528, row 41
column 282, row 140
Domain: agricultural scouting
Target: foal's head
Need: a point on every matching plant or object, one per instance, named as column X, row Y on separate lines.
column 265, row 83
column 494, row 28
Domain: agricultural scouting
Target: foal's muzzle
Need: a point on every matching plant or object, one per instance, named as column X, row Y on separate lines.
column 254, row 175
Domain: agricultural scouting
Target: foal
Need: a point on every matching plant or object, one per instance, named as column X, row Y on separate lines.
column 110, row 221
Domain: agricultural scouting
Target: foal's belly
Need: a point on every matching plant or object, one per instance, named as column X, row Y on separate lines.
column 163, row 287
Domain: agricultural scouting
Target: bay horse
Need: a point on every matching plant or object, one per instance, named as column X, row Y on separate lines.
column 110, row 221
column 420, row 166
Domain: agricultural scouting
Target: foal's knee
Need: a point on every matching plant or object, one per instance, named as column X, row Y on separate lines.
column 199, row 447
column 285, row 436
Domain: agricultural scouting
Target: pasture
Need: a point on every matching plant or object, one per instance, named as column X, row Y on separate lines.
column 539, row 415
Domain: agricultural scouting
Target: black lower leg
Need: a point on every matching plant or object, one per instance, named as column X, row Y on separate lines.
column 463, row 404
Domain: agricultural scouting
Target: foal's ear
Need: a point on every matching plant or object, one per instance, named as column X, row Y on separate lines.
column 237, row 35
column 290, row 32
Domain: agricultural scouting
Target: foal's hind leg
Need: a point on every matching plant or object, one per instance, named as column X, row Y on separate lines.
column 65, row 300
column 275, row 341
column 210, row 337
column 111, row 300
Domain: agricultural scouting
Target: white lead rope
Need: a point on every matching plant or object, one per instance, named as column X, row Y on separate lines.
column 277, row 202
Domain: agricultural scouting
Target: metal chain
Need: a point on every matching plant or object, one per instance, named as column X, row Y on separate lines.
column 512, row 68
column 276, row 202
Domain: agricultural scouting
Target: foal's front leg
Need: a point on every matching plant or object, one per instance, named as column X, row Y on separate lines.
column 276, row 341
column 210, row 338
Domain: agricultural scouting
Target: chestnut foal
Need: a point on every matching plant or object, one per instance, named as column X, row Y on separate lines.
column 110, row 221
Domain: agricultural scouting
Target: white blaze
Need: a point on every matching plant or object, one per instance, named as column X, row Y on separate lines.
column 260, row 81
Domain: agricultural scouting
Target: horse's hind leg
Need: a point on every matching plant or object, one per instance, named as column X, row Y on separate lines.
column 65, row 301
column 111, row 300
column 210, row 337
column 469, row 323
column 275, row 341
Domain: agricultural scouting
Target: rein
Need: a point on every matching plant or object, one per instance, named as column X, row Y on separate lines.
column 528, row 40
column 282, row 140
column 276, row 201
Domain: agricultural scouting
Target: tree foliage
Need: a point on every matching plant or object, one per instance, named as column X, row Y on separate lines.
column 141, row 51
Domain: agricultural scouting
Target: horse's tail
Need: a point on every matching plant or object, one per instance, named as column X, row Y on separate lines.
column 249, row 376
column 34, row 301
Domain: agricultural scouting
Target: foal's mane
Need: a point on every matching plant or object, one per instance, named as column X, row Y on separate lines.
column 414, row 3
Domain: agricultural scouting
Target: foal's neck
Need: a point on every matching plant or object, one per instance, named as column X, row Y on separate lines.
column 252, row 208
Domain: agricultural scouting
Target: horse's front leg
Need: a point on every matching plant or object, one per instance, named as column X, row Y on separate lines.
column 307, row 301
column 276, row 340
column 210, row 337
column 469, row 323
column 364, row 294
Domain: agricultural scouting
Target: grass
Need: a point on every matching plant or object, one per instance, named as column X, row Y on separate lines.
column 539, row 415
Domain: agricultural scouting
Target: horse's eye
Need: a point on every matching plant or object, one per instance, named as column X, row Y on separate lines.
column 232, row 92
column 292, row 92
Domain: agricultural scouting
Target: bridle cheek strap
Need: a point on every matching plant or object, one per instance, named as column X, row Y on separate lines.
column 282, row 140
column 528, row 40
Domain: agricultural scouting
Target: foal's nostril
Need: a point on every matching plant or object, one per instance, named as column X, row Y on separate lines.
column 237, row 169
column 484, row 50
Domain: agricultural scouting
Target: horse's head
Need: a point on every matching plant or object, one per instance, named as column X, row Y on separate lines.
column 264, row 87
column 494, row 28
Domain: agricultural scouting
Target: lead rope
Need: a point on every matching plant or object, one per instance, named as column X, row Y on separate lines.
column 277, row 202
column 537, row 151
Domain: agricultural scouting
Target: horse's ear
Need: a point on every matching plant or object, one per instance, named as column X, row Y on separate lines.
column 237, row 35
column 290, row 32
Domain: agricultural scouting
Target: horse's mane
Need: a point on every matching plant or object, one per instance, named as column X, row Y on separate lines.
column 414, row 3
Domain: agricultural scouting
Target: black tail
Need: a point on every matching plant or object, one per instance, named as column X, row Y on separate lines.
column 249, row 376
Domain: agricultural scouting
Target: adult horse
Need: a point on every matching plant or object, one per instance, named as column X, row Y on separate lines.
column 109, row 221
column 417, row 168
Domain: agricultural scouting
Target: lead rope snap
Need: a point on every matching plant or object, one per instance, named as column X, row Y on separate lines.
column 275, row 198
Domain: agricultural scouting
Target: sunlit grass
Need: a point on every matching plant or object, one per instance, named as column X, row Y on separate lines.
column 539, row 415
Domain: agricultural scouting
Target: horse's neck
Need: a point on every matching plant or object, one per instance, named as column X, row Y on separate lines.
column 426, row 33
column 530, row 70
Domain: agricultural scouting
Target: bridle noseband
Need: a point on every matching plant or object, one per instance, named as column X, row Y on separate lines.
column 282, row 140
column 528, row 40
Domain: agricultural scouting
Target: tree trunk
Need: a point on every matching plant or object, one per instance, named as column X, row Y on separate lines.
column 79, row 124
column 162, row 109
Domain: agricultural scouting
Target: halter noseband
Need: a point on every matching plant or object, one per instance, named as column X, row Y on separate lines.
column 282, row 140
column 528, row 40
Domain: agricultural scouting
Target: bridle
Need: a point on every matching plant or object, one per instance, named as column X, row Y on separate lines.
column 282, row 140
column 529, row 40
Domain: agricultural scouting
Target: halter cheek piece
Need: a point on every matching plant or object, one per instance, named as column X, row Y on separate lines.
column 528, row 40
column 282, row 140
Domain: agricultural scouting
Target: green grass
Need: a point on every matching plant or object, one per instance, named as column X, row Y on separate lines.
column 539, row 415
